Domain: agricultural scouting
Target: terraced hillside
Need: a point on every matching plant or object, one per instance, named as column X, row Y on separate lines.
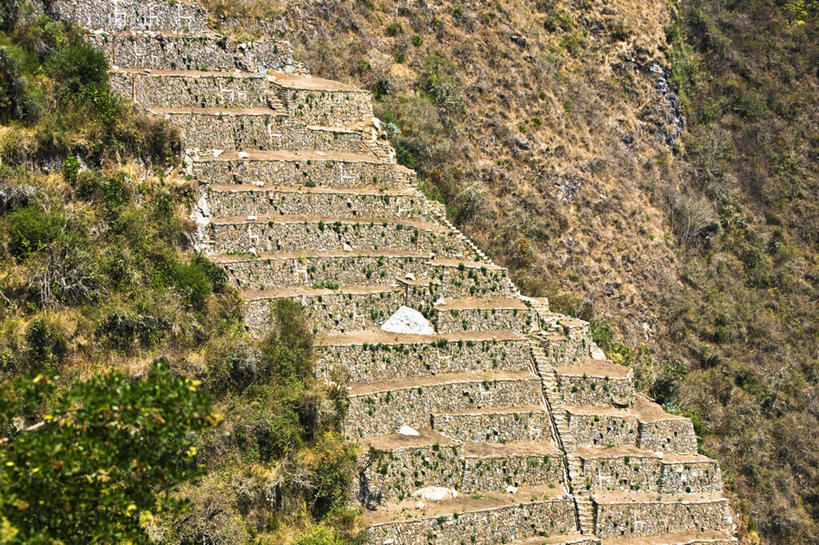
column 503, row 423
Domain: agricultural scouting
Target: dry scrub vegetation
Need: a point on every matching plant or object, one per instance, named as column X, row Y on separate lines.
column 556, row 143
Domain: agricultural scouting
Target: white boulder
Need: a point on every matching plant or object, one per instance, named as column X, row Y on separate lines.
column 408, row 321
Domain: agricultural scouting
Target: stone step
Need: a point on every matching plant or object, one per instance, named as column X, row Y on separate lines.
column 686, row 538
column 632, row 469
column 317, row 101
column 397, row 465
column 479, row 519
column 195, row 89
column 368, row 202
column 136, row 15
column 475, row 313
column 200, row 51
column 336, row 169
column 597, row 383
column 628, row 515
column 383, row 407
column 312, row 233
column 645, row 425
column 346, row 308
column 250, row 129
column 368, row 356
column 514, row 423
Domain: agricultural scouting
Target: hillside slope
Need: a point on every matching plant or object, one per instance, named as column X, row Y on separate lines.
column 552, row 130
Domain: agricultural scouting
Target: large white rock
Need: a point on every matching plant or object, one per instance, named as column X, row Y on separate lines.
column 408, row 320
column 406, row 430
column 435, row 493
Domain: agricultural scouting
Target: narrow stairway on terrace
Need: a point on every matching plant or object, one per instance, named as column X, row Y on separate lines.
column 483, row 417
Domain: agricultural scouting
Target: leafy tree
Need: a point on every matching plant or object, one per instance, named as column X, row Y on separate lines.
column 101, row 457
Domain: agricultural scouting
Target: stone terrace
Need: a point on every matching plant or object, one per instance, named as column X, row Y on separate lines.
column 502, row 422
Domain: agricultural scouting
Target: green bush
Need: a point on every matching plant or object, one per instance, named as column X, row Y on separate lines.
column 77, row 66
column 46, row 343
column 31, row 230
column 14, row 103
column 127, row 331
column 9, row 12
column 69, row 169
column 318, row 535
column 287, row 351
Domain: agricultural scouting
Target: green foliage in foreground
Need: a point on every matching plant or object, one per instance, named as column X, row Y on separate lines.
column 96, row 463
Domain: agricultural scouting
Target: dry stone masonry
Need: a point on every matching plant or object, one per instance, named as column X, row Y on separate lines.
column 483, row 419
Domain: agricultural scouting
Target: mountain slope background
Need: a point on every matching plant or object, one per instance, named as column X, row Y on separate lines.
column 649, row 166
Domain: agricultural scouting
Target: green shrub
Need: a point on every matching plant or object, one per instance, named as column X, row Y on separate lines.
column 46, row 343
column 126, row 331
column 394, row 28
column 318, row 535
column 31, row 230
column 9, row 12
column 440, row 83
column 69, row 169
column 14, row 103
column 77, row 66
column 287, row 351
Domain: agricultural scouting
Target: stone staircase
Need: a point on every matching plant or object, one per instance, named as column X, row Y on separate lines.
column 498, row 421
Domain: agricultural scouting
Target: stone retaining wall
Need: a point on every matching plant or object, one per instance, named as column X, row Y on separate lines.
column 396, row 474
column 306, row 271
column 486, row 527
column 328, row 108
column 465, row 281
column 251, row 131
column 201, row 52
column 699, row 476
column 596, row 391
column 323, row 173
column 283, row 237
column 639, row 473
column 372, row 362
column 475, row 319
column 496, row 473
column 385, row 412
column 604, row 430
column 669, row 435
column 343, row 312
column 494, row 427
column 118, row 15
column 571, row 344
column 263, row 202
column 662, row 516
column 203, row 91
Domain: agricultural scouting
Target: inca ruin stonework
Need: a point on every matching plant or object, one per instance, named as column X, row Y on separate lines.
column 534, row 435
